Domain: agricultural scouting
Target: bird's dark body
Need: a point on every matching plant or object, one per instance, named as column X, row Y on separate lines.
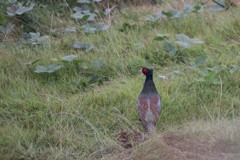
column 149, row 103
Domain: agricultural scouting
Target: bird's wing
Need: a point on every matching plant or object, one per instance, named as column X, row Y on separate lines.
column 155, row 103
column 142, row 108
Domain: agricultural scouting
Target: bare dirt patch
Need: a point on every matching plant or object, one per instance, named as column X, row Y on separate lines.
column 188, row 147
column 195, row 141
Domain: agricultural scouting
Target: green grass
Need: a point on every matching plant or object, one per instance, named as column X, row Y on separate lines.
column 62, row 115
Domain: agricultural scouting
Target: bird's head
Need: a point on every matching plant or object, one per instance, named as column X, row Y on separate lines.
column 146, row 71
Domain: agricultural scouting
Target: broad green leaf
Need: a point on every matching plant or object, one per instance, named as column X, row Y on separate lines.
column 48, row 69
column 155, row 17
column 217, row 69
column 41, row 69
column 170, row 13
column 98, row 63
column 34, row 35
column 80, row 15
column 168, row 46
column 216, row 9
column 220, row 3
column 219, row 6
column 197, row 41
column 11, row 10
column 83, row 1
column 234, row 68
column 82, row 45
column 173, row 52
column 54, row 67
column 89, row 17
column 128, row 26
column 70, row 30
column 88, row 1
column 69, row 58
column 84, row 16
column 83, row 8
column 36, row 39
column 24, row 9
column 92, row 28
column 43, row 38
column 183, row 38
column 204, row 72
column 184, row 44
column 7, row 28
column 94, row 79
column 179, row 15
column 210, row 75
column 200, row 7
column 188, row 8
column 18, row 9
column 215, row 80
column 161, row 37
column 200, row 60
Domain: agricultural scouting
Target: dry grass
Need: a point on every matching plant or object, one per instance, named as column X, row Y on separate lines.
column 217, row 140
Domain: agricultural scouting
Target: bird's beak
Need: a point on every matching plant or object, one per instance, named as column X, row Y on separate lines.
column 140, row 70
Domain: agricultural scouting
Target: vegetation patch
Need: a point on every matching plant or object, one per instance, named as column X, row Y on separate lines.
column 69, row 79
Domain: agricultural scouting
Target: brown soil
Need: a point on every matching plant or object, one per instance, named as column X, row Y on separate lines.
column 174, row 146
column 186, row 147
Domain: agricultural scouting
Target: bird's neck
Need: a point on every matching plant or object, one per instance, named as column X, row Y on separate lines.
column 149, row 86
column 149, row 78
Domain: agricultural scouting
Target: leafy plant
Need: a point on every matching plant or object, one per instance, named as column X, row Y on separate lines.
column 6, row 29
column 82, row 45
column 70, row 30
column 219, row 6
column 87, row 10
column 186, row 42
column 188, row 8
column 48, row 69
column 57, row 66
column 182, row 40
column 128, row 26
column 19, row 9
column 98, row 63
column 161, row 37
column 200, row 60
column 211, row 75
column 170, row 48
column 170, row 13
column 155, row 17
column 173, row 13
column 233, row 69
column 36, row 39
column 70, row 58
column 96, row 27
column 83, row 13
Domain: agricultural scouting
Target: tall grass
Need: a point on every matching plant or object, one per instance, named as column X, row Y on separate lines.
column 56, row 117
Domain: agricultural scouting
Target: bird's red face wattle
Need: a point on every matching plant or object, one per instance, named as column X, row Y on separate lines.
column 144, row 70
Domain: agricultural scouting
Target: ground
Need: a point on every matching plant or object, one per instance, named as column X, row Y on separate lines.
column 202, row 144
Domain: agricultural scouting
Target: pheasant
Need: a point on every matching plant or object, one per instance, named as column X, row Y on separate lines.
column 149, row 102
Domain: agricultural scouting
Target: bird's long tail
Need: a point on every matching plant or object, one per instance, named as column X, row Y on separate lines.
column 151, row 128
